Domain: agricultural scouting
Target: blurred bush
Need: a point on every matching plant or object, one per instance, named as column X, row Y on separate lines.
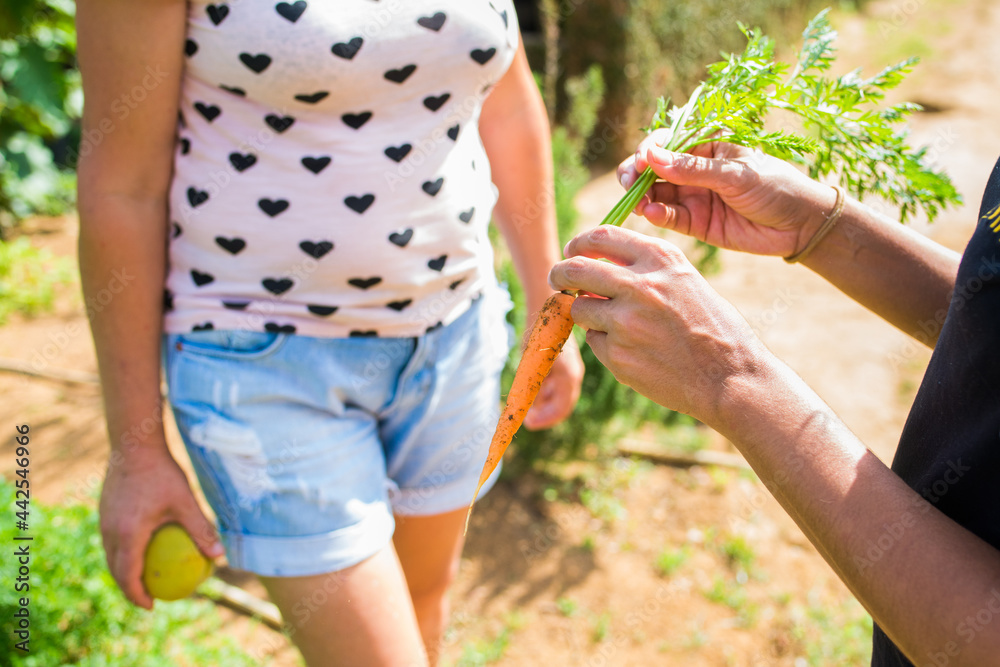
column 40, row 107
column 28, row 278
column 651, row 48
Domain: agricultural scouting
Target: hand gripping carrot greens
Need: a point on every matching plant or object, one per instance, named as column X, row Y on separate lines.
column 838, row 130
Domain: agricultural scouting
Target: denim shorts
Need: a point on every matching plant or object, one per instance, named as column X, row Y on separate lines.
column 306, row 447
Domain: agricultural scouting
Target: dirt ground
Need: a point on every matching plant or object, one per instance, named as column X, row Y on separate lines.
column 660, row 566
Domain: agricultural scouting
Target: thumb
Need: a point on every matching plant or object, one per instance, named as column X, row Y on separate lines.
column 717, row 174
column 202, row 532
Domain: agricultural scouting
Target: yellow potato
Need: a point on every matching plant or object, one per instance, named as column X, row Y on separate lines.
column 173, row 566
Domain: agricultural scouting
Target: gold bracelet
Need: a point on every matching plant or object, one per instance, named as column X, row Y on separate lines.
column 823, row 230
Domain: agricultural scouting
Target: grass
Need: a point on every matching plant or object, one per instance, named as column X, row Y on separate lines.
column 669, row 561
column 28, row 278
column 78, row 615
column 602, row 628
column 567, row 607
column 737, row 552
column 734, row 596
column 837, row 636
column 487, row 651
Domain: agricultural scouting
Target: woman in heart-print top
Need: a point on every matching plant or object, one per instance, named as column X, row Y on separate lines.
column 300, row 193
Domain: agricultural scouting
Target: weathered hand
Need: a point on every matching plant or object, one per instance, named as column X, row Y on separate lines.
column 140, row 494
column 730, row 196
column 654, row 321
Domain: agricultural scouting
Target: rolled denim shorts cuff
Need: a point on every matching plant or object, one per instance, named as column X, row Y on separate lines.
column 442, row 499
column 310, row 555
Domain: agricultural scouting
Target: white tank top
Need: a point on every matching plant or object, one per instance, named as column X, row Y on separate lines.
column 329, row 178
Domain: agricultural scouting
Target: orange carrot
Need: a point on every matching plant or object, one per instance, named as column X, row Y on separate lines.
column 548, row 335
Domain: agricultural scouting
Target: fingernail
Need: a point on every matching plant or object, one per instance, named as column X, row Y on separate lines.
column 216, row 550
column 660, row 156
column 626, row 181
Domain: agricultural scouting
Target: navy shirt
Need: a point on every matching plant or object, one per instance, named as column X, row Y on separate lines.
column 949, row 451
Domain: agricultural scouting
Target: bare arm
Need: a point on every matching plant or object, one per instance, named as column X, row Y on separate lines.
column 890, row 269
column 515, row 133
column 124, row 173
column 665, row 332
column 739, row 199
column 934, row 576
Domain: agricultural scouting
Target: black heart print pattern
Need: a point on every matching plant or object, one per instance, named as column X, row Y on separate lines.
column 278, row 123
column 233, row 245
column 201, row 279
column 401, row 239
column 397, row 153
column 364, row 334
column 435, row 22
column 399, row 306
column 312, row 98
column 316, row 249
column 209, row 111
column 434, row 103
column 364, row 283
column 433, row 187
column 217, row 13
column 242, row 162
column 316, row 164
column 400, row 75
column 207, row 326
column 347, row 50
column 483, row 56
column 356, row 120
column 277, row 286
column 359, row 204
column 196, row 197
column 291, row 11
column 405, row 78
column 273, row 207
column 257, row 63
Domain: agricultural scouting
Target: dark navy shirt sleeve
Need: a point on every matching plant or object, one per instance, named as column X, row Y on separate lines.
column 949, row 451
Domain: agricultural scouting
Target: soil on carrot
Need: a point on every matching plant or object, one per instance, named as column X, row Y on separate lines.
column 622, row 561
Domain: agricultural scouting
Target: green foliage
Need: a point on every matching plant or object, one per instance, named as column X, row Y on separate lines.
column 650, row 47
column 40, row 104
column 28, row 276
column 843, row 130
column 669, row 561
column 839, row 636
column 79, row 617
column 485, row 652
